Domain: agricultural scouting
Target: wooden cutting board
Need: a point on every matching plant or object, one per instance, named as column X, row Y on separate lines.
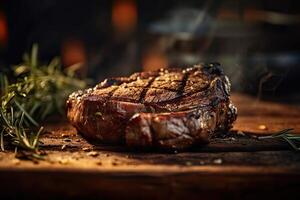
column 236, row 166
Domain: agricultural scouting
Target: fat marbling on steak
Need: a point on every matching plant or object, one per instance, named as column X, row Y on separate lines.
column 169, row 108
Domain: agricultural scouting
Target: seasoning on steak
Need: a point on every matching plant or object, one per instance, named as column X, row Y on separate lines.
column 170, row 108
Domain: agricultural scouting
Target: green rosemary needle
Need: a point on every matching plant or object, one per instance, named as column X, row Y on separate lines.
column 285, row 135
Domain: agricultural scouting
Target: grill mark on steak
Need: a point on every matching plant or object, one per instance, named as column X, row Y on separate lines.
column 145, row 90
column 183, row 83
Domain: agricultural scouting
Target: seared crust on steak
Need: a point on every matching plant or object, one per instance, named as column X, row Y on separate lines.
column 170, row 108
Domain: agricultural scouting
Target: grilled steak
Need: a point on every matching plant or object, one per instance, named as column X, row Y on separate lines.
column 169, row 108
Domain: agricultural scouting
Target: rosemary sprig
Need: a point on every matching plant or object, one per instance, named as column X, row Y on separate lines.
column 38, row 91
column 12, row 126
column 285, row 134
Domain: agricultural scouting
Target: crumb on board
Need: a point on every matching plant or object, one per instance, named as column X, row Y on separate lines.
column 63, row 147
column 188, row 163
column 99, row 163
column 63, row 161
column 262, row 127
column 241, row 133
column 16, row 161
column 218, row 161
column 93, row 154
column 86, row 149
column 114, row 163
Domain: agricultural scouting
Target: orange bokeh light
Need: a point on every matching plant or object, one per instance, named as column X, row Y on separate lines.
column 3, row 29
column 73, row 51
column 124, row 15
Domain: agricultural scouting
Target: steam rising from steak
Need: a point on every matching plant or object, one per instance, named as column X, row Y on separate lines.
column 170, row 108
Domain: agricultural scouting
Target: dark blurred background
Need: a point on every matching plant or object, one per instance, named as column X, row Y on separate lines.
column 256, row 41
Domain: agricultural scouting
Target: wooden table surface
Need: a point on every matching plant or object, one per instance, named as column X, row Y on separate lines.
column 236, row 166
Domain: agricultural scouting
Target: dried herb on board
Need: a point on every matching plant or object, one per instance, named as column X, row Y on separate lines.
column 286, row 135
column 37, row 92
